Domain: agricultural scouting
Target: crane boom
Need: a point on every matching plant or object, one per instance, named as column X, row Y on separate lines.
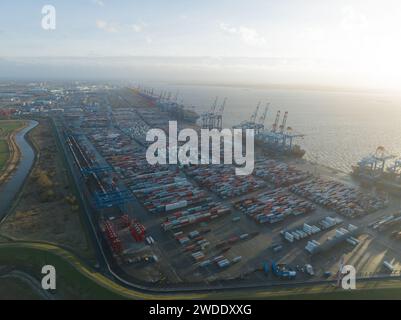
column 262, row 118
column 214, row 105
column 275, row 124
column 223, row 105
column 255, row 114
column 282, row 127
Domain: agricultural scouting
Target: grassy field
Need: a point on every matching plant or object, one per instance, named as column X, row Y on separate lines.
column 6, row 127
column 74, row 280
column 4, row 153
column 47, row 209
column 15, row 289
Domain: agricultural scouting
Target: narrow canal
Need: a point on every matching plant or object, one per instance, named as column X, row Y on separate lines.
column 10, row 189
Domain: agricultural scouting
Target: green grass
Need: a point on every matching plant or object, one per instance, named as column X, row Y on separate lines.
column 6, row 127
column 4, row 153
column 74, row 280
column 15, row 289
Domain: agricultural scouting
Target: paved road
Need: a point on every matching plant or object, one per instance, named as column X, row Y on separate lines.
column 33, row 283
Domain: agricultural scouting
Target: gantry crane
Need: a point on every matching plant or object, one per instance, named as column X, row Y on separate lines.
column 283, row 124
column 275, row 124
column 208, row 117
column 373, row 165
column 219, row 115
column 211, row 116
column 255, row 114
column 257, row 126
column 262, row 118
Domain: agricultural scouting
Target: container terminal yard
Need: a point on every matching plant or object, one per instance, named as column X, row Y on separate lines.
column 202, row 226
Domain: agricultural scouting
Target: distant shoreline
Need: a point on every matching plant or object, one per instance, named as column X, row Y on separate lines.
column 278, row 86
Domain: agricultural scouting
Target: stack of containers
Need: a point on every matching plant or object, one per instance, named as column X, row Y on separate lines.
column 222, row 180
column 341, row 234
column 289, row 237
column 138, row 231
column 223, row 263
column 193, row 234
column 110, row 143
column 198, row 256
column 125, row 221
column 113, row 238
column 279, row 173
column 167, row 192
column 273, row 206
column 312, row 246
column 130, row 123
column 190, row 216
column 307, row 230
column 199, row 245
column 329, row 222
column 353, row 241
column 339, row 197
column 134, row 164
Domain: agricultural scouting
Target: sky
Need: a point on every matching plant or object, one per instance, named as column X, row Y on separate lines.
column 321, row 42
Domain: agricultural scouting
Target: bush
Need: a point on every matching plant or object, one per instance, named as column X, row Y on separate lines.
column 43, row 179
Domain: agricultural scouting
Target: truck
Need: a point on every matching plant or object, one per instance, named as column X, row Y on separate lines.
column 282, row 270
column 308, row 269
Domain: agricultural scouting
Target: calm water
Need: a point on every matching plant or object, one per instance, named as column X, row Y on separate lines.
column 340, row 127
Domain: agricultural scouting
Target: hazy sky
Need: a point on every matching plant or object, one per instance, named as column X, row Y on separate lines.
column 341, row 42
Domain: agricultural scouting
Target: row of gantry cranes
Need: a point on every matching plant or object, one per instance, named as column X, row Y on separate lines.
column 278, row 138
column 374, row 168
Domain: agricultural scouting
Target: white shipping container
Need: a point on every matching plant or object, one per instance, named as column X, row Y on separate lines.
column 388, row 265
column 289, row 237
column 205, row 263
column 244, row 236
column 177, row 205
column 237, row 259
